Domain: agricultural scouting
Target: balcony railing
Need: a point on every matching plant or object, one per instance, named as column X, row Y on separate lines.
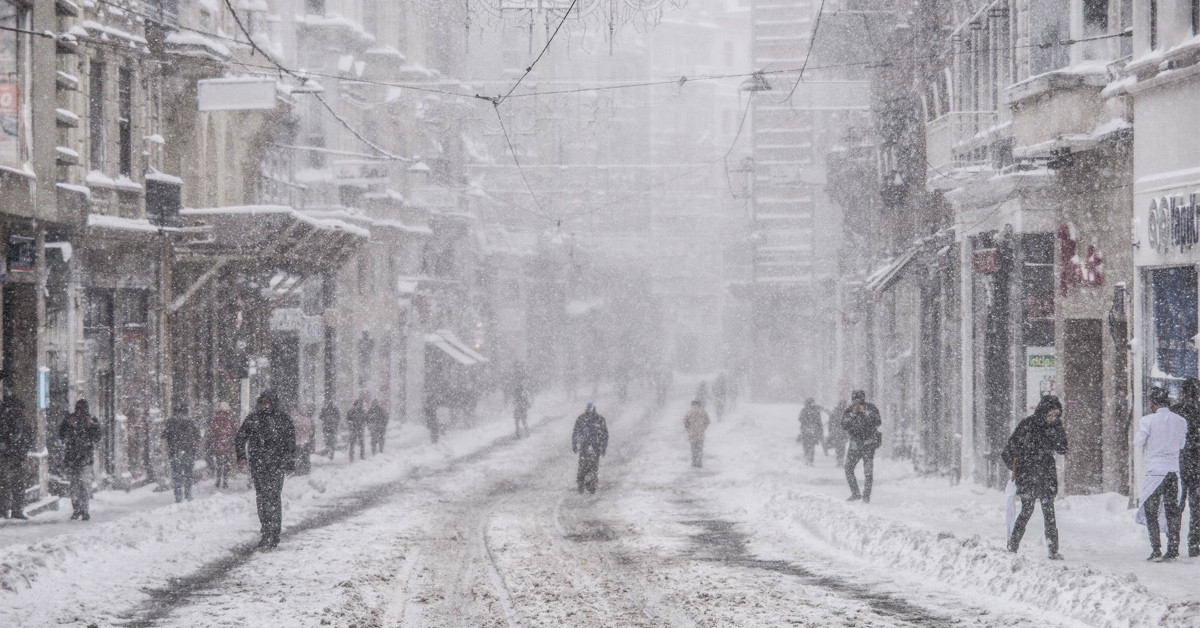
column 958, row 139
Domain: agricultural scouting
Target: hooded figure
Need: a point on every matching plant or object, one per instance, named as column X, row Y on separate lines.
column 79, row 433
column 1030, row 456
column 267, row 439
column 810, row 429
column 590, row 441
column 696, row 423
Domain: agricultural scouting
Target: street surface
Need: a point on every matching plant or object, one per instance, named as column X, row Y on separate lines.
column 495, row 535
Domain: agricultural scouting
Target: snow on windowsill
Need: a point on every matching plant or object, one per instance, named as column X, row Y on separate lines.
column 103, row 221
column 26, row 171
column 155, row 175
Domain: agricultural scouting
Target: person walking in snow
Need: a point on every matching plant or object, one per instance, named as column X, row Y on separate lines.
column 356, row 423
column 330, row 419
column 306, row 435
column 1030, row 455
column 16, row 439
column 521, row 405
column 1189, row 461
column 267, row 440
column 861, row 421
column 696, row 423
column 810, row 430
column 720, row 392
column 702, row 393
column 590, row 441
column 182, row 442
column 377, row 419
column 835, row 439
column 79, row 432
column 221, row 430
column 1160, row 436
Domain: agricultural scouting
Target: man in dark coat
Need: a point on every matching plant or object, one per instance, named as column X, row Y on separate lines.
column 1030, row 456
column 810, row 429
column 267, row 439
column 182, row 440
column 1189, row 460
column 861, row 421
column 16, row 438
column 79, row 432
column 377, row 419
column 330, row 418
column 590, row 441
column 356, row 422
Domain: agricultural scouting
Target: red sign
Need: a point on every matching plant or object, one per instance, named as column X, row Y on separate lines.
column 1076, row 270
column 985, row 261
column 10, row 103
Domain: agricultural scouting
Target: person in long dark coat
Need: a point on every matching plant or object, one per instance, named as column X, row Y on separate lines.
column 182, row 442
column 1189, row 460
column 377, row 419
column 590, row 441
column 1030, row 456
column 861, row 421
column 356, row 423
column 330, row 419
column 810, row 430
column 16, row 439
column 79, row 432
column 267, row 440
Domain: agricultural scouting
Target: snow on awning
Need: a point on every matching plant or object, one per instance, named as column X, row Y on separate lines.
column 461, row 346
column 277, row 234
column 437, row 341
column 886, row 274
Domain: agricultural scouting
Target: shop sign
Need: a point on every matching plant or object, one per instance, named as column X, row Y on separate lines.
column 43, row 388
column 293, row 319
column 1172, row 223
column 985, row 261
column 10, row 123
column 1040, row 374
column 22, row 253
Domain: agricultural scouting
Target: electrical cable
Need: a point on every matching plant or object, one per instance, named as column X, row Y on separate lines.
column 512, row 150
column 500, row 99
column 303, row 79
column 812, row 42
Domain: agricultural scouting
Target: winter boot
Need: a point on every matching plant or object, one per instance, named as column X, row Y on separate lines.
column 1155, row 556
column 854, row 498
column 1054, row 555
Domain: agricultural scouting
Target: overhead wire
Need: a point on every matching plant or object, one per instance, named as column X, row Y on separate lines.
column 300, row 77
column 513, row 151
column 549, row 40
column 812, row 42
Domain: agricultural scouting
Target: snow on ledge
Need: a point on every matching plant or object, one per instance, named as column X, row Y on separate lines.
column 123, row 224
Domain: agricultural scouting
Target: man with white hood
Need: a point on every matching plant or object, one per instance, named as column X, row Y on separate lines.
column 1160, row 436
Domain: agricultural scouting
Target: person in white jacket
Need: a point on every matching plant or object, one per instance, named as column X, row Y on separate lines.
column 1160, row 436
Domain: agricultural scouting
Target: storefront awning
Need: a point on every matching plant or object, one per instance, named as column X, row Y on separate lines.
column 275, row 235
column 883, row 276
column 450, row 345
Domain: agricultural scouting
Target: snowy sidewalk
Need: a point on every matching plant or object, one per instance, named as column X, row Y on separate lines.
column 926, row 529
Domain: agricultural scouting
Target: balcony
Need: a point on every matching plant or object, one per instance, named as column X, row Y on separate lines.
column 959, row 139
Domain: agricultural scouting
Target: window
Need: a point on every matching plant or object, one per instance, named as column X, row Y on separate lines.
column 1095, row 17
column 1153, row 24
column 1049, row 30
column 96, row 113
column 13, row 92
column 125, row 119
column 314, row 7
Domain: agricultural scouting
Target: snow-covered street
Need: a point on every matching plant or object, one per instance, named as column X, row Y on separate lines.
column 486, row 530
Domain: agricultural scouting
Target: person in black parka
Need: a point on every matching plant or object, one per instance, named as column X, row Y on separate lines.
column 16, row 439
column 861, row 421
column 1189, row 460
column 590, row 441
column 377, row 420
column 79, row 432
column 356, row 423
column 267, row 439
column 183, row 440
column 1030, row 456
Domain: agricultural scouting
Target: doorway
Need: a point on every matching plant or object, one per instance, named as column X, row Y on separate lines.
column 1083, row 414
